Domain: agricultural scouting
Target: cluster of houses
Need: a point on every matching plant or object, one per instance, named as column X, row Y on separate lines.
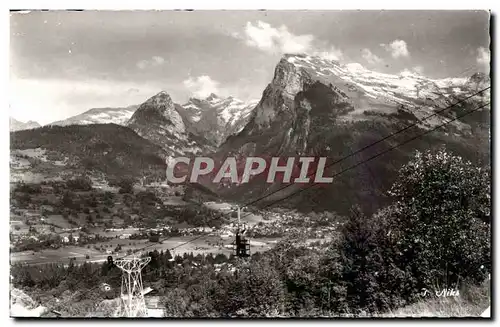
column 196, row 231
column 70, row 238
column 127, row 233
column 277, row 224
column 274, row 224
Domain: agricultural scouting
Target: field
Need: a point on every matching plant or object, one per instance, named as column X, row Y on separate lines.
column 113, row 217
column 182, row 244
column 115, row 210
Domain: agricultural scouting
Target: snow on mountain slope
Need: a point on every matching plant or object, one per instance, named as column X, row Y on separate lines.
column 118, row 116
column 386, row 93
column 320, row 108
column 16, row 125
column 379, row 85
column 216, row 117
column 307, row 92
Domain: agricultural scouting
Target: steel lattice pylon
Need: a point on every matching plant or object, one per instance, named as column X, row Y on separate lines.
column 132, row 293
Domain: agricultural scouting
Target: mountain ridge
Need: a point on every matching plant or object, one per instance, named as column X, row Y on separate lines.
column 109, row 150
column 316, row 107
column 159, row 121
column 311, row 107
column 217, row 118
column 16, row 125
column 107, row 115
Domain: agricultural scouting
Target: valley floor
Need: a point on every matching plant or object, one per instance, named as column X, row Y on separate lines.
column 185, row 244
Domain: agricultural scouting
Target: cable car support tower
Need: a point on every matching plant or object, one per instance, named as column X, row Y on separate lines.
column 132, row 292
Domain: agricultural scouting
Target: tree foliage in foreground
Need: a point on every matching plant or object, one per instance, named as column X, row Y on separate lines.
column 441, row 218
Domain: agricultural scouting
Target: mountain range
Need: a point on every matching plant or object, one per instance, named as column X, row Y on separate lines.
column 311, row 107
column 16, row 125
column 217, row 118
column 119, row 116
column 208, row 121
column 317, row 107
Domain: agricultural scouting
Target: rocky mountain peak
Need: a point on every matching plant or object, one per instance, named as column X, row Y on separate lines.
column 479, row 78
column 216, row 117
column 162, row 99
column 318, row 107
column 305, row 88
column 212, row 97
column 210, row 101
column 159, row 107
column 159, row 121
column 288, row 76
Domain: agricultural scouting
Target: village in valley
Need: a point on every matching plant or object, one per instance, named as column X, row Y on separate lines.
column 51, row 228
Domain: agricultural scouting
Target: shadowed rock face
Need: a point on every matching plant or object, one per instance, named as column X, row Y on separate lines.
column 159, row 121
column 317, row 107
column 198, row 126
column 158, row 110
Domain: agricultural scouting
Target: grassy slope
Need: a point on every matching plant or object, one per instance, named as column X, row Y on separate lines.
column 114, row 150
column 472, row 302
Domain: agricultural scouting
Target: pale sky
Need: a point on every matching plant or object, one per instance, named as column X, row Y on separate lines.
column 64, row 63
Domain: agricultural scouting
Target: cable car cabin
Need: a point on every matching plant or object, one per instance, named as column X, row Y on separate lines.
column 241, row 245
